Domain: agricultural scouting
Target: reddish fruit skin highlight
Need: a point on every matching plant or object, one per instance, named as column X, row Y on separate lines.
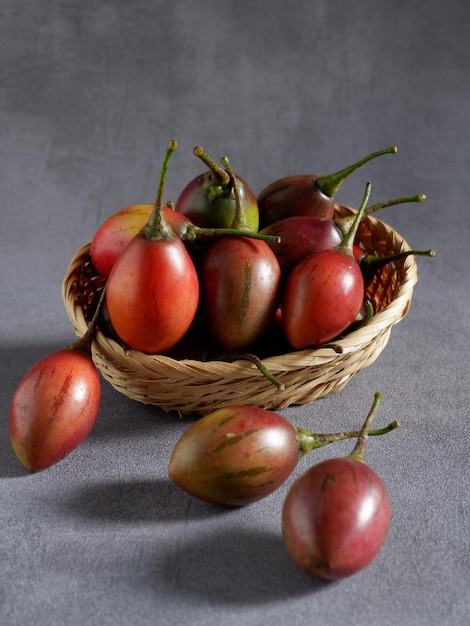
column 240, row 290
column 322, row 296
column 336, row 518
column 53, row 408
column 117, row 231
column 235, row 455
column 152, row 293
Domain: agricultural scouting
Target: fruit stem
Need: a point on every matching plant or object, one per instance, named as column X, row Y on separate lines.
column 359, row 450
column 347, row 243
column 363, row 317
column 420, row 197
column 196, row 233
column 229, row 357
column 85, row 342
column 157, row 226
column 329, row 184
column 308, row 441
column 239, row 218
column 219, row 176
column 336, row 347
column 344, row 223
column 370, row 263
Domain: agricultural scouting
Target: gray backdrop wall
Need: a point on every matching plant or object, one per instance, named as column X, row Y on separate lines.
column 90, row 94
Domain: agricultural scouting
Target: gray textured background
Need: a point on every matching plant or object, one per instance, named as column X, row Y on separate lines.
column 90, row 93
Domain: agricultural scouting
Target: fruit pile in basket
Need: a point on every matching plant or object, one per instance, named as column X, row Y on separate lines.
column 225, row 276
column 245, row 299
column 205, row 265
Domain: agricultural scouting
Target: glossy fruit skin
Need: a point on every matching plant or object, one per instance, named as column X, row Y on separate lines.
column 196, row 204
column 336, row 518
column 152, row 293
column 53, row 408
column 293, row 195
column 235, row 455
column 322, row 296
column 300, row 237
column 240, row 290
column 116, row 232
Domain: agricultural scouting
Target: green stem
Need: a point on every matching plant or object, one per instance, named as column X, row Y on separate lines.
column 347, row 243
column 329, row 184
column 420, row 197
column 336, row 347
column 219, row 176
column 85, row 342
column 370, row 263
column 229, row 357
column 157, row 226
column 363, row 317
column 344, row 223
column 359, row 450
column 197, row 233
column 308, row 441
column 239, row 218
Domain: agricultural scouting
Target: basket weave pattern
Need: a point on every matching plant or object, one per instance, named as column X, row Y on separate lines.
column 192, row 386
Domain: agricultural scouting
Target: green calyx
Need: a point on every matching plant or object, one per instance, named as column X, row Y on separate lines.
column 216, row 182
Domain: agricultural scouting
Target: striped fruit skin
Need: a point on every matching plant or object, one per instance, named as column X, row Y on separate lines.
column 240, row 290
column 53, row 408
column 235, row 455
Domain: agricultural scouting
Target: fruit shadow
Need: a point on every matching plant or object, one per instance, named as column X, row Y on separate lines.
column 137, row 501
column 235, row 566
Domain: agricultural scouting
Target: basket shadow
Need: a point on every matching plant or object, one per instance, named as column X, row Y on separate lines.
column 137, row 500
column 238, row 566
column 121, row 416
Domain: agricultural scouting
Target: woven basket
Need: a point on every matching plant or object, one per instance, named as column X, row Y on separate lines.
column 189, row 386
